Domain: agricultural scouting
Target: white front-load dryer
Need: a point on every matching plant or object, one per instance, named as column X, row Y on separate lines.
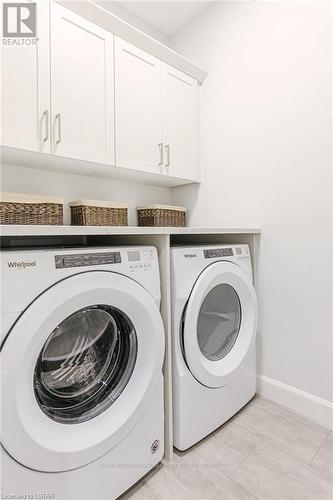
column 81, row 363
column 214, row 326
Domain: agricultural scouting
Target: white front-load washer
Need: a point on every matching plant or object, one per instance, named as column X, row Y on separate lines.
column 81, row 363
column 214, row 325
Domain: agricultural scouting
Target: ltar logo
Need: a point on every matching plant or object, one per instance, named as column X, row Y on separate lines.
column 19, row 20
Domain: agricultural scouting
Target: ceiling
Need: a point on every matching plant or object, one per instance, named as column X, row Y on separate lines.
column 169, row 16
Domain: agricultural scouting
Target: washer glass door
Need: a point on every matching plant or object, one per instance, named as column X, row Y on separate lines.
column 219, row 324
column 85, row 364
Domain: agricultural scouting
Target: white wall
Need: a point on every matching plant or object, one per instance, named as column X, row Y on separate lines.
column 266, row 159
column 75, row 187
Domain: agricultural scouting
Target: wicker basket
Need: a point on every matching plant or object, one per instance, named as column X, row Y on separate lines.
column 98, row 213
column 17, row 208
column 161, row 215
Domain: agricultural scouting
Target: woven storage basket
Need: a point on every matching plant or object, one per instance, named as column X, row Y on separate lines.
column 19, row 208
column 98, row 213
column 161, row 215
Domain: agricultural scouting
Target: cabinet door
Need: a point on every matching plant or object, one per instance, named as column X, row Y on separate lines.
column 180, row 110
column 81, row 88
column 138, row 108
column 26, row 86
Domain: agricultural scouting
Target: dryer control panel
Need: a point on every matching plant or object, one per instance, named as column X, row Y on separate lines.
column 212, row 253
column 188, row 262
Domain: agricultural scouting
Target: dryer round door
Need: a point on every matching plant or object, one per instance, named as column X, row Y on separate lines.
column 80, row 367
column 220, row 324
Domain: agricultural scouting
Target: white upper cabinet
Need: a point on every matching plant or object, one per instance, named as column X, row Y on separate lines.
column 156, row 114
column 81, row 88
column 180, row 111
column 80, row 92
column 138, row 108
column 26, row 89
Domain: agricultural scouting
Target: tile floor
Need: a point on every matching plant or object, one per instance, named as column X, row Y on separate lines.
column 266, row 452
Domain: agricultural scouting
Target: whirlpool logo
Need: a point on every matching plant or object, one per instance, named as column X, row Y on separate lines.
column 190, row 255
column 21, row 265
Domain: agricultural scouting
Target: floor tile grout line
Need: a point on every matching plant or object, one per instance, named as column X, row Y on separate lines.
column 322, row 444
column 292, row 412
column 233, row 480
column 190, row 498
column 267, row 441
column 241, row 485
column 228, row 476
column 308, row 419
column 289, row 455
column 245, row 458
column 283, row 451
column 329, row 478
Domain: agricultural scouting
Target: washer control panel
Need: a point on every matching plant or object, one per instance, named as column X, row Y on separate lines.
column 86, row 259
column 140, row 260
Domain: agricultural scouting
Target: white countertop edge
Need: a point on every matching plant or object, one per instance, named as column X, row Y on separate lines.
column 22, row 230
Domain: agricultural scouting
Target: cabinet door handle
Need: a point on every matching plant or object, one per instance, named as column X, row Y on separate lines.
column 58, row 119
column 46, row 115
column 160, row 146
column 167, row 150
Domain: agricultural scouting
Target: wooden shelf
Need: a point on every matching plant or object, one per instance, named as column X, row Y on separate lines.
column 22, row 230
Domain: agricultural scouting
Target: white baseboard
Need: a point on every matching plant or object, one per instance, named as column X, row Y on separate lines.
column 310, row 406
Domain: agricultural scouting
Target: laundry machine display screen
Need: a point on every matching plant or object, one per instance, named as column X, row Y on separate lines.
column 87, row 259
column 133, row 256
column 218, row 252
